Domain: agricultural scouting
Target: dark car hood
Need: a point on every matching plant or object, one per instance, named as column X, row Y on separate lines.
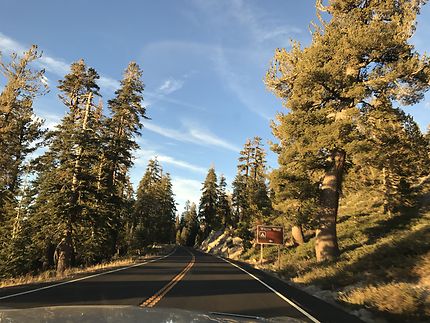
column 121, row 314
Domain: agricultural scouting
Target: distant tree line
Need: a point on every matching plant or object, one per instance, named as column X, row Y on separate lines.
column 73, row 204
column 241, row 210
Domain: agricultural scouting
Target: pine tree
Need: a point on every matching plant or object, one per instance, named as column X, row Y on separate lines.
column 144, row 208
column 166, row 222
column 20, row 131
column 395, row 148
column 359, row 61
column 189, row 225
column 154, row 209
column 250, row 200
column 208, row 203
column 123, row 126
column 67, row 183
column 192, row 221
column 223, row 204
column 19, row 127
column 296, row 197
column 116, row 157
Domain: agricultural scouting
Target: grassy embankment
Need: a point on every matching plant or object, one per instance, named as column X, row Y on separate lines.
column 385, row 261
column 51, row 275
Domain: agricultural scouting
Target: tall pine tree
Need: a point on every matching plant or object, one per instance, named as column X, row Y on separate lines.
column 359, row 61
column 208, row 215
column 223, row 203
column 67, row 183
column 250, row 200
column 20, row 131
column 116, row 158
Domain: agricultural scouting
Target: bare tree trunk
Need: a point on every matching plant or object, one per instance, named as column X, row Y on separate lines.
column 297, row 234
column 326, row 246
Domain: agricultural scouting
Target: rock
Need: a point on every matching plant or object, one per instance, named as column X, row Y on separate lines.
column 223, row 243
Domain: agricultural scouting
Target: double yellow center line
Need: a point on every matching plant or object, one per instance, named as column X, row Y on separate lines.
column 150, row 302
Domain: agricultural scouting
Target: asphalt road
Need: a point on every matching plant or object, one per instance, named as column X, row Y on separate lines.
column 185, row 279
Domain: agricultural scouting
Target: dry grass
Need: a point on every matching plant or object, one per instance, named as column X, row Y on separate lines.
column 402, row 299
column 422, row 270
column 384, row 265
column 51, row 275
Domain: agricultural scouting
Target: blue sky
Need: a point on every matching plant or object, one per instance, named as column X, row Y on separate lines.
column 203, row 60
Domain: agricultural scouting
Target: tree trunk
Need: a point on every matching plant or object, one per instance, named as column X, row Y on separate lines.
column 326, row 246
column 297, row 234
column 63, row 255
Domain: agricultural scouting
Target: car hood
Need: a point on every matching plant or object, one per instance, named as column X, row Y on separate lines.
column 122, row 314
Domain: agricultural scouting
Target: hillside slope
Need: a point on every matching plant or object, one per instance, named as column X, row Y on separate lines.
column 384, row 266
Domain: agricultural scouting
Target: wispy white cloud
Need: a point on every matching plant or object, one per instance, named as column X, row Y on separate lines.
column 194, row 135
column 237, row 85
column 154, row 98
column 51, row 120
column 166, row 132
column 252, row 19
column 218, row 56
column 53, row 65
column 171, row 85
column 181, row 163
column 143, row 155
column 108, row 83
column 8, row 45
column 265, row 33
column 210, row 139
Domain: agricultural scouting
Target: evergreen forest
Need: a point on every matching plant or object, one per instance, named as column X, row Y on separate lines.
column 348, row 156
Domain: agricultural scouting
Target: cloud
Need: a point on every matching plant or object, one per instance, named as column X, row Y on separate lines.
column 218, row 56
column 51, row 120
column 254, row 20
column 265, row 33
column 193, row 135
column 53, row 65
column 143, row 155
column 158, row 97
column 237, row 85
column 108, row 83
column 181, row 163
column 186, row 189
column 211, row 139
column 170, row 85
column 9, row 45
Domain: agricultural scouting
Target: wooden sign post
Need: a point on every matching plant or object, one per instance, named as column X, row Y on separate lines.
column 270, row 234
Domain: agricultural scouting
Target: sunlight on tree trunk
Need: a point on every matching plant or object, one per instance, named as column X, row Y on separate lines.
column 326, row 246
column 297, row 234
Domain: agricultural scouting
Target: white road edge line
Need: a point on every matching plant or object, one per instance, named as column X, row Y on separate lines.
column 87, row 277
column 301, row 310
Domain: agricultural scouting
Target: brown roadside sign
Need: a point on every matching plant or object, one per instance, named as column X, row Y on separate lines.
column 270, row 234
